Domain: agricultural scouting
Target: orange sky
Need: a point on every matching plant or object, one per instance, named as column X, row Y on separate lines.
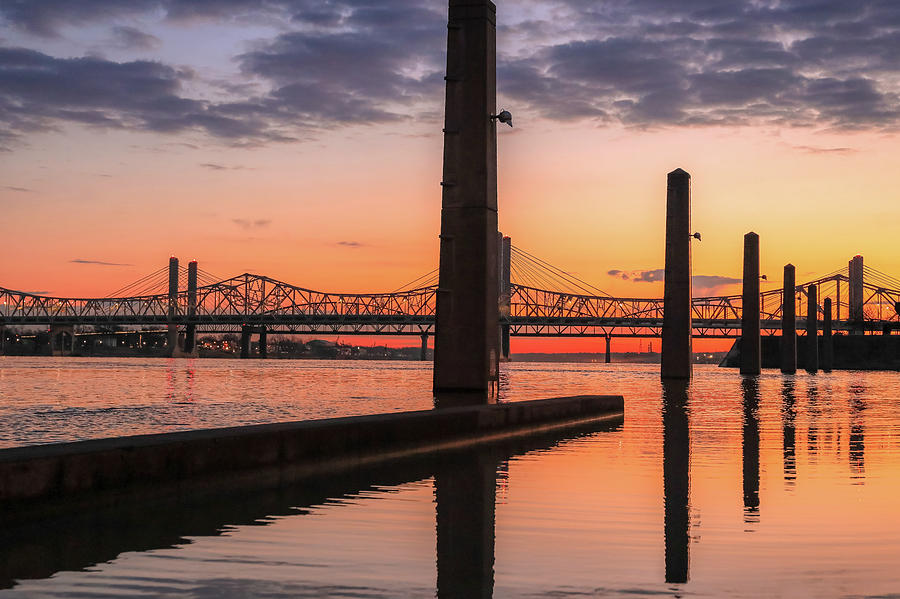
column 352, row 204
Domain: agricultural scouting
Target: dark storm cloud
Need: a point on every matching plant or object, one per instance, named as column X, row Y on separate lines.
column 656, row 62
column 375, row 68
column 96, row 262
column 645, row 63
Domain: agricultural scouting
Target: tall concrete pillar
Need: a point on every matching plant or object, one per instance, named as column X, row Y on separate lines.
column 827, row 339
column 172, row 337
column 751, row 353
column 466, row 344
column 190, row 336
column 505, row 293
column 245, row 341
column 263, row 343
column 423, row 353
column 789, row 321
column 856, row 289
column 812, row 329
column 676, row 329
column 608, row 349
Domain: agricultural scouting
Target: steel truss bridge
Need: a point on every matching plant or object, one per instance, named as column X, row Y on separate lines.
column 263, row 303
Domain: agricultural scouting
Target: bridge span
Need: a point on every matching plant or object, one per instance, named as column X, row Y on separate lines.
column 255, row 303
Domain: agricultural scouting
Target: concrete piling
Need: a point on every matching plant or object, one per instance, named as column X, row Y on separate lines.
column 789, row 321
column 466, row 345
column 676, row 329
column 423, row 354
column 608, row 349
column 827, row 339
column 812, row 329
column 751, row 353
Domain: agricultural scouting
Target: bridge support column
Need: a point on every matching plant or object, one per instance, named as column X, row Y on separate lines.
column 423, row 353
column 812, row 329
column 172, row 336
column 608, row 349
column 263, row 343
column 245, row 341
column 827, row 339
column 789, row 321
column 751, row 355
column 676, row 329
column 466, row 344
column 505, row 293
column 856, row 299
column 2, row 340
column 190, row 335
column 62, row 340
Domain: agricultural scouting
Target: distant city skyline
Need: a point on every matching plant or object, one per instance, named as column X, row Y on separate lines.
column 302, row 140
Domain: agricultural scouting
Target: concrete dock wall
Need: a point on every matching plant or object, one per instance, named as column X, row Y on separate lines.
column 62, row 472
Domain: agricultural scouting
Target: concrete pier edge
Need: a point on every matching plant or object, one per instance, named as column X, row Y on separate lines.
column 41, row 479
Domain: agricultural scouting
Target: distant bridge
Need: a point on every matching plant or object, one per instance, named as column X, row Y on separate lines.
column 537, row 300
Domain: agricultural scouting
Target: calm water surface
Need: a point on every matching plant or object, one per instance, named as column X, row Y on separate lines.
column 772, row 486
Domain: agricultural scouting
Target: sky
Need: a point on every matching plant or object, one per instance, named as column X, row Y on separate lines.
column 301, row 139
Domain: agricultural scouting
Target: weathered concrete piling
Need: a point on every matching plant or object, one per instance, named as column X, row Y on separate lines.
column 751, row 356
column 466, row 343
column 812, row 329
column 789, row 321
column 676, row 329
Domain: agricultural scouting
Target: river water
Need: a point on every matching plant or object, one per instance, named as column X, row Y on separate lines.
column 770, row 486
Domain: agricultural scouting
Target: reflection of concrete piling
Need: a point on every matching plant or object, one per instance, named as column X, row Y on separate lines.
column 465, row 498
column 172, row 333
column 190, row 337
column 827, row 339
column 466, row 344
column 676, row 480
column 676, row 330
column 812, row 329
column 750, row 449
column 751, row 356
column 789, row 322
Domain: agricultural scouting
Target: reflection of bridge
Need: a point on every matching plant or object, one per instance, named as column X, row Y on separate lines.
column 537, row 299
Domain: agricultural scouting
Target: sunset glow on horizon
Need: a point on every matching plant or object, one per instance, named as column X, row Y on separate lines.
column 305, row 145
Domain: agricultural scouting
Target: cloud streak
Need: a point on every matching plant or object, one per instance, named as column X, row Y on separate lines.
column 97, row 262
column 247, row 224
